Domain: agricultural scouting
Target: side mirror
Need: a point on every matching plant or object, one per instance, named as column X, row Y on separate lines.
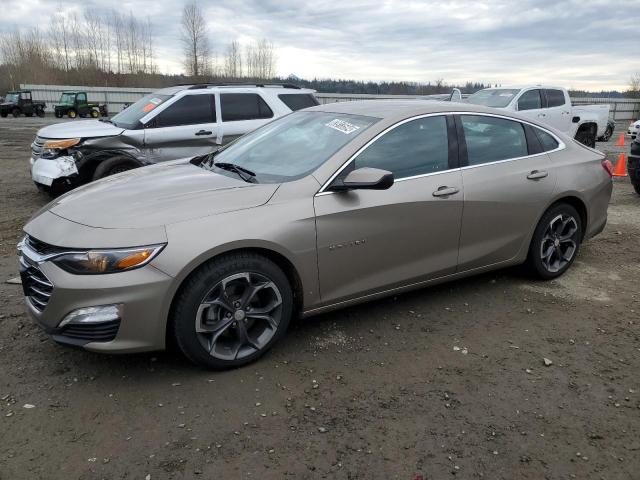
column 364, row 179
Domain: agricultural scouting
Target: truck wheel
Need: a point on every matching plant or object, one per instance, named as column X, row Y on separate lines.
column 3, row 115
column 94, row 113
column 114, row 165
column 586, row 137
column 71, row 113
column 608, row 133
column 40, row 112
column 634, row 176
column 15, row 112
column 58, row 114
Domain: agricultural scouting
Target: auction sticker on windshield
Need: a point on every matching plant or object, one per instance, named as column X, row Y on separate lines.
column 342, row 126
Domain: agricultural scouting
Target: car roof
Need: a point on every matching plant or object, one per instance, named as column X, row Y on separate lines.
column 234, row 87
column 400, row 108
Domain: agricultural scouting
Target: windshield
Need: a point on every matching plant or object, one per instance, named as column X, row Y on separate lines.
column 67, row 98
column 293, row 146
column 12, row 97
column 493, row 97
column 130, row 117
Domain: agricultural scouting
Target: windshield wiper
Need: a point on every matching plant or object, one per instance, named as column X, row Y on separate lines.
column 244, row 173
column 106, row 120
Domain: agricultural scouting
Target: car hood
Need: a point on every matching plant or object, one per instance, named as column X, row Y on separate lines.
column 158, row 195
column 80, row 129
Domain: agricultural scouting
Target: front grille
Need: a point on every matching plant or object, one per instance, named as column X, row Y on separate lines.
column 36, row 286
column 42, row 248
column 37, row 147
column 97, row 332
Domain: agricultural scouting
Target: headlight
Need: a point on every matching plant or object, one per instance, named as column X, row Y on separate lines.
column 106, row 261
column 61, row 144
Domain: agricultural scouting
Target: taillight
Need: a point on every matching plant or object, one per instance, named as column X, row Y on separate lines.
column 608, row 166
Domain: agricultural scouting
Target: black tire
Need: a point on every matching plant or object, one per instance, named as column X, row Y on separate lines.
column 15, row 112
column 94, row 113
column 3, row 115
column 196, row 289
column 634, row 176
column 608, row 133
column 40, row 112
column 536, row 265
column 72, row 113
column 113, row 166
column 586, row 137
column 58, row 113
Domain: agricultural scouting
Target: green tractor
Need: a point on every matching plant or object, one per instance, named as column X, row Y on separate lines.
column 75, row 104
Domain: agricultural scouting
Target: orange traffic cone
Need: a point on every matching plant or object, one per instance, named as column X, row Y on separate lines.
column 621, row 167
column 620, row 140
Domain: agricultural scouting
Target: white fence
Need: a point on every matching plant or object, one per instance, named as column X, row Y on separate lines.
column 622, row 109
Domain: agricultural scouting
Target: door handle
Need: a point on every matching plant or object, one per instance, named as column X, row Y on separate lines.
column 204, row 132
column 445, row 191
column 537, row 174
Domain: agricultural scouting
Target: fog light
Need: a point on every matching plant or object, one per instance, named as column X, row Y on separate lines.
column 92, row 315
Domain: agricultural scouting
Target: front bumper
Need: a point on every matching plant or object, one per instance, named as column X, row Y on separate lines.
column 46, row 171
column 139, row 295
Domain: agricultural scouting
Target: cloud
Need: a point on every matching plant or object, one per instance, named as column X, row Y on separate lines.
column 576, row 43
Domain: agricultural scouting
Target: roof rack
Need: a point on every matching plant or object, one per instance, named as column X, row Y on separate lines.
column 196, row 86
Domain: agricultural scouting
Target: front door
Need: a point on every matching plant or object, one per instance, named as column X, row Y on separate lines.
column 371, row 240
column 186, row 128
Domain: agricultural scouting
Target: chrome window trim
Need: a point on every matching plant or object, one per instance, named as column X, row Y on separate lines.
column 561, row 146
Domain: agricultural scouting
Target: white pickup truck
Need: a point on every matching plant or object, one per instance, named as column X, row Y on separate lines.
column 550, row 105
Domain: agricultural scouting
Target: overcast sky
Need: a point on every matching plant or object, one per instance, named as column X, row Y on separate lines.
column 588, row 44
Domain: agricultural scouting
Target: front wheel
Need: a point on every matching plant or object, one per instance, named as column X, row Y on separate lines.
column 71, row 114
column 232, row 310
column 40, row 112
column 555, row 242
column 113, row 166
column 15, row 112
column 58, row 114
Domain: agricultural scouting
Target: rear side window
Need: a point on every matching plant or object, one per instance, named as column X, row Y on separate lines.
column 490, row 139
column 555, row 98
column 243, row 106
column 188, row 110
column 298, row 101
column 530, row 100
column 414, row 148
column 547, row 141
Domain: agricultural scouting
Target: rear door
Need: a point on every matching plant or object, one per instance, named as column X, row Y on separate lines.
column 558, row 109
column 508, row 180
column 242, row 113
column 372, row 240
column 185, row 128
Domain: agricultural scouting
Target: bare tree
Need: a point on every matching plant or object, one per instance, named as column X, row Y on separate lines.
column 634, row 84
column 261, row 60
column 233, row 60
column 197, row 50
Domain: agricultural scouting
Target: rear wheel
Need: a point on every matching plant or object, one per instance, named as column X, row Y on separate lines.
column 57, row 113
column 587, row 137
column 232, row 310
column 608, row 133
column 634, row 176
column 94, row 113
column 40, row 112
column 112, row 166
column 15, row 112
column 555, row 242
column 3, row 115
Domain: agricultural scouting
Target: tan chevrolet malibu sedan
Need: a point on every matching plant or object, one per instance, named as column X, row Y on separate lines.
column 323, row 208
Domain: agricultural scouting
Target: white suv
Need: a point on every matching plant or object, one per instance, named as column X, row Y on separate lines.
column 173, row 123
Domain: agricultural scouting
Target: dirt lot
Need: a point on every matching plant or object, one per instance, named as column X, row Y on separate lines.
column 446, row 381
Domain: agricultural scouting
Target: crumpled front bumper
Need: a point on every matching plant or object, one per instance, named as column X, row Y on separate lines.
column 45, row 171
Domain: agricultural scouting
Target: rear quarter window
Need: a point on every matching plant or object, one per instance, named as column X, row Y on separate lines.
column 546, row 140
column 298, row 101
column 243, row 106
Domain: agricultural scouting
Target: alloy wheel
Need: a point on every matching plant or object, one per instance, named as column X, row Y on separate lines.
column 239, row 316
column 559, row 242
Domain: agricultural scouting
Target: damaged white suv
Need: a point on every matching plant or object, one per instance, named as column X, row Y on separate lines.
column 170, row 124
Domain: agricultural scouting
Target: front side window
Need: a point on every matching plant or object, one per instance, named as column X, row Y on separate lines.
column 243, row 106
column 130, row 117
column 298, row 101
column 82, row 98
column 547, row 141
column 188, row 110
column 493, row 97
column 294, row 145
column 67, row 98
column 530, row 100
column 555, row 98
column 414, row 148
column 490, row 139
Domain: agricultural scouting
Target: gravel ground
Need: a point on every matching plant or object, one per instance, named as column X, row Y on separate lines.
column 446, row 381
